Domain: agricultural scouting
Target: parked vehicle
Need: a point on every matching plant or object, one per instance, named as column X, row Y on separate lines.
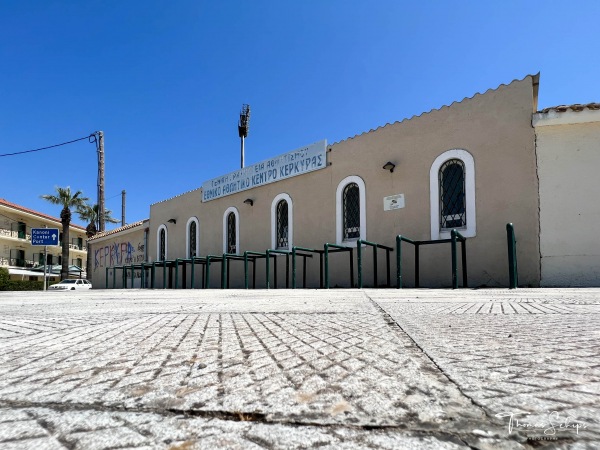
column 71, row 285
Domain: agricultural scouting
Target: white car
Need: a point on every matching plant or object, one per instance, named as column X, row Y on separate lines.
column 71, row 285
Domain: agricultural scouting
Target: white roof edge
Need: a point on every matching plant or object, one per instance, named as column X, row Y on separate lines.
column 542, row 119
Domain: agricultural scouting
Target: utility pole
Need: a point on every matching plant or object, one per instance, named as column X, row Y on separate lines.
column 243, row 126
column 100, row 149
column 123, row 208
column 45, row 261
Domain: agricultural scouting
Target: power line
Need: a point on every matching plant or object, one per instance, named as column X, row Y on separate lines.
column 45, row 148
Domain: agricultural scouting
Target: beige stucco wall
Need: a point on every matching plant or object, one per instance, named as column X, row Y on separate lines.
column 568, row 160
column 117, row 249
column 495, row 128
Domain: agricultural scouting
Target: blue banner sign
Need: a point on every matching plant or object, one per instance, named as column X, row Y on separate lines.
column 44, row 236
column 291, row 164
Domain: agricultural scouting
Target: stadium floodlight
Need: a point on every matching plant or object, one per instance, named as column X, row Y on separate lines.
column 243, row 126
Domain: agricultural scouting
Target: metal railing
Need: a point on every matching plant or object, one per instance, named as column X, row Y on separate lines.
column 511, row 241
column 209, row 260
column 251, row 256
column 375, row 246
column 308, row 254
column 338, row 248
column 455, row 236
column 172, row 280
column 272, row 253
column 225, row 262
column 14, row 234
column 16, row 262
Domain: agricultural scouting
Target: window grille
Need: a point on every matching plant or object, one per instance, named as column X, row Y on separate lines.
column 231, row 235
column 163, row 245
column 351, row 202
column 192, row 243
column 453, row 213
column 282, row 224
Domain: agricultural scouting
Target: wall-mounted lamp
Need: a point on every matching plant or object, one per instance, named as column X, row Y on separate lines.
column 389, row 166
column 249, row 201
column 172, row 221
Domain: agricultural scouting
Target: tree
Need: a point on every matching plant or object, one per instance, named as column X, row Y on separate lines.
column 67, row 200
column 89, row 213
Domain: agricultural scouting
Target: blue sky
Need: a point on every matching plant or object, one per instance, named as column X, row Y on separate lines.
column 165, row 80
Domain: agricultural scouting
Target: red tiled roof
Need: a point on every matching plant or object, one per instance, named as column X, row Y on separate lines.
column 575, row 107
column 35, row 213
column 117, row 230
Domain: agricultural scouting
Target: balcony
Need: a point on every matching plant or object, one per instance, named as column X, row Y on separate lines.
column 14, row 234
column 16, row 262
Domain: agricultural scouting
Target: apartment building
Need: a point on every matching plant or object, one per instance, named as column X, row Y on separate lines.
column 16, row 251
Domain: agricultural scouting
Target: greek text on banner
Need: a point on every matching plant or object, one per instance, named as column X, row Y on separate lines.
column 297, row 162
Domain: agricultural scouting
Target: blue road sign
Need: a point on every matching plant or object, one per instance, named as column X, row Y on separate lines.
column 44, row 236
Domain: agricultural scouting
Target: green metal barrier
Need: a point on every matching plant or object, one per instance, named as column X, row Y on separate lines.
column 177, row 273
column 106, row 279
column 375, row 246
column 226, row 258
column 513, row 272
column 399, row 240
column 209, row 260
column 184, row 262
column 251, row 256
column 304, row 256
column 193, row 261
column 274, row 252
column 338, row 248
column 114, row 278
column 304, row 252
column 455, row 236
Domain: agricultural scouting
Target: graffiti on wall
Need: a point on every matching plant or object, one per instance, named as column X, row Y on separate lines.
column 118, row 254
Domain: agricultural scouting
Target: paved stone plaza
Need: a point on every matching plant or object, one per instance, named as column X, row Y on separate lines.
column 279, row 369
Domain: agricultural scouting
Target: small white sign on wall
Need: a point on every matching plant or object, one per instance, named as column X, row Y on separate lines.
column 393, row 202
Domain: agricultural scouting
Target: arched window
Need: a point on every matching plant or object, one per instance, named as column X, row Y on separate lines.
column 161, row 243
column 452, row 194
column 350, row 210
column 192, row 238
column 231, row 231
column 282, row 223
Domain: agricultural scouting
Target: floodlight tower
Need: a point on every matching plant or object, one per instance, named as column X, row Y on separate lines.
column 243, row 126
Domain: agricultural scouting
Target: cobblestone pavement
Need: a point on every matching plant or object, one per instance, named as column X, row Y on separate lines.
column 422, row 369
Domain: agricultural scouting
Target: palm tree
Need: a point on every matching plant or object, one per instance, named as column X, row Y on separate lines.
column 67, row 200
column 89, row 213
